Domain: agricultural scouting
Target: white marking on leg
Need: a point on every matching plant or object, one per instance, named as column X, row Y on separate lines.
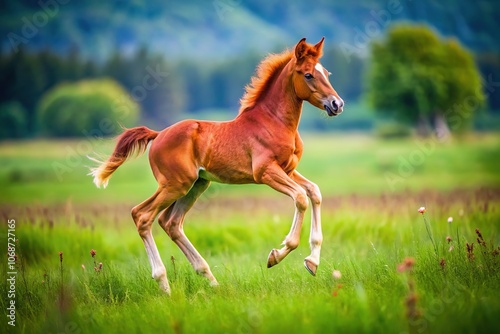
column 197, row 261
column 316, row 235
column 159, row 272
column 292, row 239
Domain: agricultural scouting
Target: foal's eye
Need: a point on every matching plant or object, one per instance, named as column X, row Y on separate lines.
column 308, row 76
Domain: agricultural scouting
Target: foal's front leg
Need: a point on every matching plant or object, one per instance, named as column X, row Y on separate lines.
column 316, row 237
column 277, row 179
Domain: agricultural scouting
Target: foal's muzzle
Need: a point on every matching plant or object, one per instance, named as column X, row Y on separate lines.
column 334, row 106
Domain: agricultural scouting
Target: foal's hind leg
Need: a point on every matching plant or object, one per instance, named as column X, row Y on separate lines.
column 316, row 237
column 172, row 220
column 144, row 215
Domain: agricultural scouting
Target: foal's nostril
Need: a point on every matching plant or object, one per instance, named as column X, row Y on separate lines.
column 335, row 105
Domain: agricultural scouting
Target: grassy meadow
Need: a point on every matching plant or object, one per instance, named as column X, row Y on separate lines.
column 396, row 270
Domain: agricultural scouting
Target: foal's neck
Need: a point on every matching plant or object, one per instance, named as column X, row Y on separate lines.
column 282, row 101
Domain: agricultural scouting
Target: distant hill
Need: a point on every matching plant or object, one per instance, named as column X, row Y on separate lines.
column 223, row 28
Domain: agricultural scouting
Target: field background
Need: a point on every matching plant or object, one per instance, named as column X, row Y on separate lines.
column 370, row 226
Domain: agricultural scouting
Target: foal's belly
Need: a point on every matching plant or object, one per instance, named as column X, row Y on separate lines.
column 226, row 175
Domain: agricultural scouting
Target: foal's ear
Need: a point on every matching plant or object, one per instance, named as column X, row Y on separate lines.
column 300, row 49
column 319, row 47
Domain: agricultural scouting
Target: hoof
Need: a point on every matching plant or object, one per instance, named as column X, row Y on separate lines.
column 311, row 267
column 272, row 260
column 164, row 287
column 214, row 283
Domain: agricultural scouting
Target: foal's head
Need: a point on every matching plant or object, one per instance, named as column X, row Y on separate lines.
column 310, row 79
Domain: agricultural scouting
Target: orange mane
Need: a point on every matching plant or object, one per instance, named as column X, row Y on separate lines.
column 265, row 73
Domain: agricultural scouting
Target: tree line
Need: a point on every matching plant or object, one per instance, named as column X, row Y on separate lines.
column 28, row 76
column 164, row 90
column 412, row 75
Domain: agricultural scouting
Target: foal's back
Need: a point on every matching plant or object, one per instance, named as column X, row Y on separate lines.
column 216, row 151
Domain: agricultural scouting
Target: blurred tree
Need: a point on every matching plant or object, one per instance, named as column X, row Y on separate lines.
column 24, row 83
column 26, row 76
column 422, row 80
column 86, row 108
column 151, row 82
column 13, row 123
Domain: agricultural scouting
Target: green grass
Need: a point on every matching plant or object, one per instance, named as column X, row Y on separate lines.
column 365, row 239
column 368, row 229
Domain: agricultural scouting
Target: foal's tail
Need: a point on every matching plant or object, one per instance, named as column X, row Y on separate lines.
column 135, row 139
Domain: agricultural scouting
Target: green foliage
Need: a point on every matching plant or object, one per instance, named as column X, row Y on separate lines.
column 26, row 76
column 462, row 84
column 74, row 109
column 13, row 123
column 416, row 77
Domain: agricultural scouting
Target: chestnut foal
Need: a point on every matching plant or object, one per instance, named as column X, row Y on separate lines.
column 261, row 145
